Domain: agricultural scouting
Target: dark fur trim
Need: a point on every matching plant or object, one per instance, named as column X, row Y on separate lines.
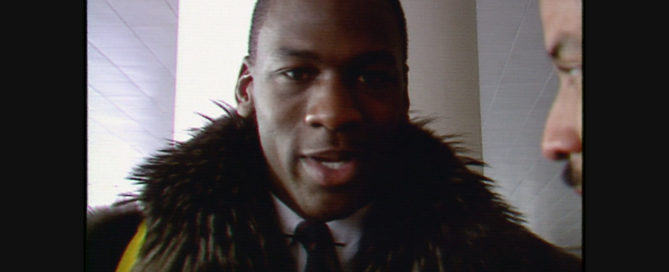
column 208, row 209
column 206, row 205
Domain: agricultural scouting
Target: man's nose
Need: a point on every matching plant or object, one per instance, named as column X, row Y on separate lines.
column 333, row 105
column 562, row 134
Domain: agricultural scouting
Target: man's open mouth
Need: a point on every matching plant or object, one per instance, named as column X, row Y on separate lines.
column 330, row 168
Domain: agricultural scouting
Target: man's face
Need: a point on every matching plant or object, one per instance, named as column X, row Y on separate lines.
column 562, row 21
column 327, row 83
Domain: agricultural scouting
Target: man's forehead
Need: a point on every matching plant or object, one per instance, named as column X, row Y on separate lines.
column 561, row 18
column 299, row 24
column 352, row 13
column 310, row 6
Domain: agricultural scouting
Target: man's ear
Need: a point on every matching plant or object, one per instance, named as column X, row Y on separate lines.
column 244, row 89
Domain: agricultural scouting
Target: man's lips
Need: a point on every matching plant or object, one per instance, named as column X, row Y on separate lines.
column 331, row 167
column 331, row 155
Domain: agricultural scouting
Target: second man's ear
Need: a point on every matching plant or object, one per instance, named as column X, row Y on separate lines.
column 244, row 89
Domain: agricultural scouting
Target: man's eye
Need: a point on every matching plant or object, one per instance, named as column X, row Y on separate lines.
column 570, row 70
column 375, row 78
column 299, row 74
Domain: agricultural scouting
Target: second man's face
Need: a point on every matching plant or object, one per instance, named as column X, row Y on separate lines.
column 327, row 84
column 563, row 133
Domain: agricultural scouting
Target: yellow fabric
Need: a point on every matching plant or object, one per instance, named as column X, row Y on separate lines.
column 130, row 254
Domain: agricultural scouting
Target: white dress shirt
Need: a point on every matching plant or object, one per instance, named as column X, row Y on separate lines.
column 345, row 231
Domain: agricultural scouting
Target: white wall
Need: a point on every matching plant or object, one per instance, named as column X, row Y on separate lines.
column 212, row 41
column 443, row 63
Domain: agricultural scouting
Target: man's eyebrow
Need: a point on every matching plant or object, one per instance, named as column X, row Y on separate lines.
column 380, row 57
column 297, row 53
column 564, row 42
column 554, row 51
column 377, row 57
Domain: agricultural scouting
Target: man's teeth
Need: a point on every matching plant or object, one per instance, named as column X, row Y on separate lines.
column 332, row 165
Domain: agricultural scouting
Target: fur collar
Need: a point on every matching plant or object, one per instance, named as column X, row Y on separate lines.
column 208, row 208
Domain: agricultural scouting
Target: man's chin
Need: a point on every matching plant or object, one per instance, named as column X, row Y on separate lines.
column 330, row 211
column 333, row 203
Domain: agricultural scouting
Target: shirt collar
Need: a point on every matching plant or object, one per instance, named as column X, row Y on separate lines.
column 345, row 231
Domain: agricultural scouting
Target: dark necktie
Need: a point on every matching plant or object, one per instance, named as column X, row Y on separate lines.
column 317, row 241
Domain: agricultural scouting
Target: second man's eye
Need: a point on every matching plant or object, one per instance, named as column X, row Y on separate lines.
column 571, row 71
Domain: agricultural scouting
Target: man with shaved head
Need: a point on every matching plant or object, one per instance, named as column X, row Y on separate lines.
column 318, row 168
